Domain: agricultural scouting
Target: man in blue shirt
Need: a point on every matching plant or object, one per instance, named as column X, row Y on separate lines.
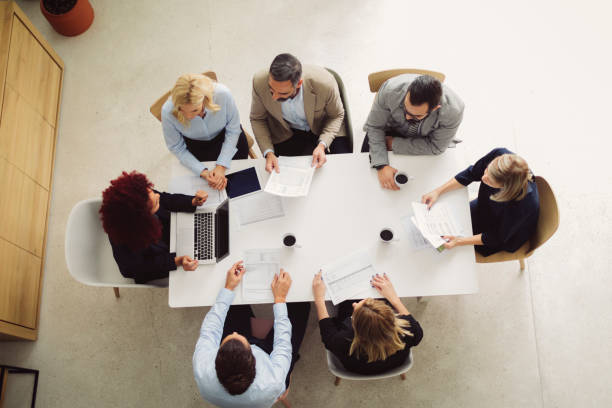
column 248, row 372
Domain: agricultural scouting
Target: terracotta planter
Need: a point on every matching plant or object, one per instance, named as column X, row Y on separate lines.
column 74, row 22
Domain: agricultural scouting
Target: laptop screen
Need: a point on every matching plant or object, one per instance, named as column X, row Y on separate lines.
column 222, row 231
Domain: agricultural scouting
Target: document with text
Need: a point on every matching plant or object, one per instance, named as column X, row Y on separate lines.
column 435, row 222
column 294, row 177
column 257, row 207
column 261, row 265
column 189, row 184
column 350, row 276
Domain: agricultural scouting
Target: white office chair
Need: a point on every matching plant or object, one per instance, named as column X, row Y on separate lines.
column 337, row 369
column 88, row 252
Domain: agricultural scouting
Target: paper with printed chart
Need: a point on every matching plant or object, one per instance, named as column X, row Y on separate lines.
column 294, row 177
column 350, row 276
column 258, row 206
column 435, row 222
column 261, row 265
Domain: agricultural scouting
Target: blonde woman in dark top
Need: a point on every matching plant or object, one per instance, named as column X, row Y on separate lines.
column 505, row 214
column 368, row 336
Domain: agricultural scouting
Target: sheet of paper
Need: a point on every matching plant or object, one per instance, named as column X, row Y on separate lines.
column 349, row 276
column 294, row 178
column 258, row 206
column 189, row 184
column 261, row 266
column 435, row 222
column 415, row 238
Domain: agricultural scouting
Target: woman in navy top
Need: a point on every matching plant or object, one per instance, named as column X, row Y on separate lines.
column 505, row 214
column 137, row 221
column 201, row 123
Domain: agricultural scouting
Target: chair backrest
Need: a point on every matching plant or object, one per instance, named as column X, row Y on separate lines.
column 88, row 252
column 376, row 79
column 548, row 219
column 156, row 108
column 347, row 115
column 337, row 369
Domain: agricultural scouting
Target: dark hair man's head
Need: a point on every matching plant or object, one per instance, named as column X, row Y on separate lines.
column 235, row 364
column 285, row 77
column 423, row 97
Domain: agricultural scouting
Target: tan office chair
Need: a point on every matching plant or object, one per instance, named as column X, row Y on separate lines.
column 548, row 222
column 376, row 79
column 156, row 108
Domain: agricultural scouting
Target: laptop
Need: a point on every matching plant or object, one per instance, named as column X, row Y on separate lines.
column 204, row 235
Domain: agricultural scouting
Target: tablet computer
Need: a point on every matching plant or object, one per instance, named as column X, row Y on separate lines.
column 242, row 182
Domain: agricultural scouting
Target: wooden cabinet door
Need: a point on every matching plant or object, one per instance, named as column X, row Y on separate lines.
column 19, row 283
column 32, row 72
column 26, row 139
column 23, row 209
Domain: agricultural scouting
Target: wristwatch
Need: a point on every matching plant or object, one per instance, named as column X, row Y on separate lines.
column 380, row 166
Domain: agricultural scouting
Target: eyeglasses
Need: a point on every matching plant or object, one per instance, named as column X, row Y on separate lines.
column 410, row 116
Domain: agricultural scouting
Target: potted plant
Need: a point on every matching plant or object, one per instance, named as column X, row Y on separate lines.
column 68, row 17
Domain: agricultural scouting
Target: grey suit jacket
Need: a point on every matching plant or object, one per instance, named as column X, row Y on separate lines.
column 322, row 106
column 436, row 131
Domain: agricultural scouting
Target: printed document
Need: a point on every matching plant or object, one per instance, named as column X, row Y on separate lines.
column 261, row 265
column 416, row 239
column 349, row 276
column 258, row 206
column 435, row 222
column 189, row 184
column 294, row 178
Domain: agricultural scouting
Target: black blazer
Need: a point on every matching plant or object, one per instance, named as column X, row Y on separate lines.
column 504, row 226
column 155, row 261
column 338, row 336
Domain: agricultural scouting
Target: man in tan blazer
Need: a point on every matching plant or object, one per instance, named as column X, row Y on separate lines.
column 297, row 113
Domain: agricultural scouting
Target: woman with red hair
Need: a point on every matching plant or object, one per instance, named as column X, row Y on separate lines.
column 137, row 221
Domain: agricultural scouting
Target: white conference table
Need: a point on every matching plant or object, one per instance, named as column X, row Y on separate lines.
column 344, row 212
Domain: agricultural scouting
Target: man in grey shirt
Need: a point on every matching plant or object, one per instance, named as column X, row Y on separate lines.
column 411, row 114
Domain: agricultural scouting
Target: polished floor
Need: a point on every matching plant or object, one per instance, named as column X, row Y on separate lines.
column 534, row 77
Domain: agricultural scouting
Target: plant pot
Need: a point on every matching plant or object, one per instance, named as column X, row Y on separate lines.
column 73, row 22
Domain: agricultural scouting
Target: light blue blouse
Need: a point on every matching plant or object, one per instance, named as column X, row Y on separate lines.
column 206, row 128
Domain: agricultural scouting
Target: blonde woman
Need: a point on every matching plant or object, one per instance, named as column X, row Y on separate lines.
column 505, row 214
column 200, row 121
column 369, row 336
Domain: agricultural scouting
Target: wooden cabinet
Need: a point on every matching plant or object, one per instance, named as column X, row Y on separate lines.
column 30, row 87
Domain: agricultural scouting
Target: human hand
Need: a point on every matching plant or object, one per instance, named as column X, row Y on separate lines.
column 280, row 286
column 451, row 241
column 200, row 198
column 318, row 287
column 271, row 162
column 217, row 178
column 188, row 263
column 234, row 275
column 383, row 285
column 318, row 156
column 430, row 198
column 208, row 176
column 386, row 177
column 389, row 142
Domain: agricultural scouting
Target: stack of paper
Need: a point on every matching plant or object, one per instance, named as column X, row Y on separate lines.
column 261, row 265
column 294, row 177
column 349, row 277
column 434, row 223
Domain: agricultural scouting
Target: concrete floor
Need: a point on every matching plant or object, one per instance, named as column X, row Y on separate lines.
column 534, row 77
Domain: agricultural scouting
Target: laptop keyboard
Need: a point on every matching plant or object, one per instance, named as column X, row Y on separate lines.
column 203, row 225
